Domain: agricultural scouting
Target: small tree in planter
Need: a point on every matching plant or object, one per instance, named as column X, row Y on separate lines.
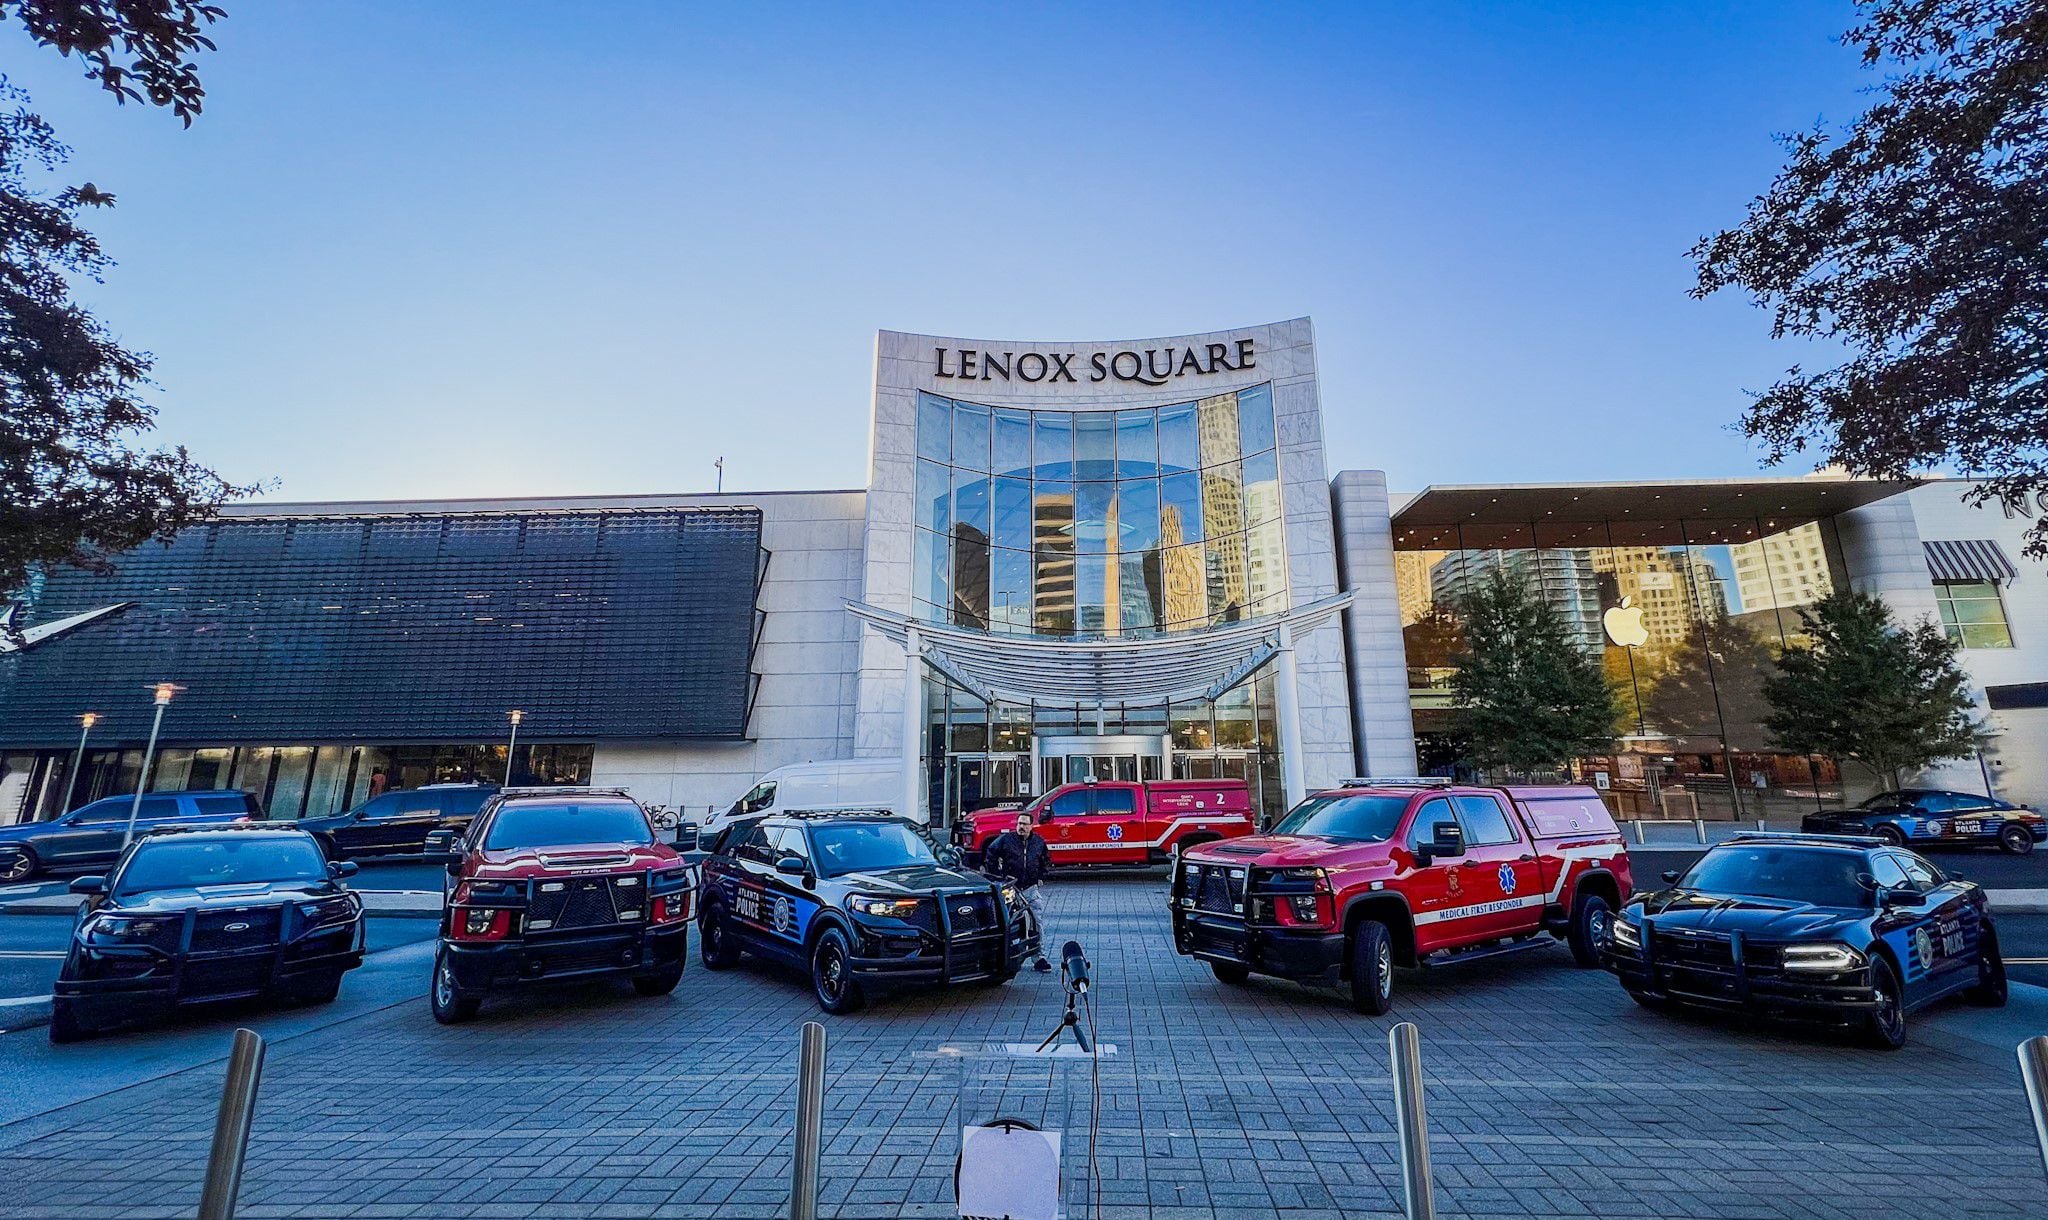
column 1889, row 696
column 1527, row 695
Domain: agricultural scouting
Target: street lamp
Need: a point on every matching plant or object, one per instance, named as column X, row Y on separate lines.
column 85, row 722
column 515, row 716
column 163, row 692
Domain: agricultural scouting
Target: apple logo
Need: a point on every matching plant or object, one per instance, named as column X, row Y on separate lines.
column 1624, row 625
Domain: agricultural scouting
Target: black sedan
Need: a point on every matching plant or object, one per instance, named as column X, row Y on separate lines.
column 1838, row 930
column 398, row 823
column 1931, row 817
column 857, row 900
column 195, row 916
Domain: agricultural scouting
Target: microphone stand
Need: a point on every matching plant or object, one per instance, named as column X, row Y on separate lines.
column 1070, row 1022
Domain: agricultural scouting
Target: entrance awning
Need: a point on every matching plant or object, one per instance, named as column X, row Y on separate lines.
column 1969, row 559
column 1147, row 671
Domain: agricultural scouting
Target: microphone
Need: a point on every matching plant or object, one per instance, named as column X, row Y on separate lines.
column 1074, row 967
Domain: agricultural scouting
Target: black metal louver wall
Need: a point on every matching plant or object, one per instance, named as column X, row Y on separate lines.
column 600, row 625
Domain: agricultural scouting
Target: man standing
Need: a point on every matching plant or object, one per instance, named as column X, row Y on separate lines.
column 1021, row 856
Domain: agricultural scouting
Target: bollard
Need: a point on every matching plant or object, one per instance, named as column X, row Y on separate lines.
column 2034, row 1074
column 1759, row 823
column 810, row 1119
column 231, row 1127
column 1639, row 832
column 1699, row 829
column 1404, row 1047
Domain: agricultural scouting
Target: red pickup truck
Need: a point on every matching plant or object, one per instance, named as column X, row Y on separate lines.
column 1358, row 880
column 1119, row 823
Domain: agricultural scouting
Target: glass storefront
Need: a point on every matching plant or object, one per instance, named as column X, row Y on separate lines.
column 1686, row 632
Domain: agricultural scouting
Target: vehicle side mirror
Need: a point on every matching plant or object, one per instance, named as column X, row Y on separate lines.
column 91, row 887
column 1671, row 876
column 791, row 866
column 343, row 868
column 1898, row 897
column 1447, row 840
column 441, row 845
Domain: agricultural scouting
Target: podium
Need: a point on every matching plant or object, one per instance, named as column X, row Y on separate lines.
column 1023, row 1120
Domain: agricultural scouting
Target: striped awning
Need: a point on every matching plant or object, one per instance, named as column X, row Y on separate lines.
column 1969, row 559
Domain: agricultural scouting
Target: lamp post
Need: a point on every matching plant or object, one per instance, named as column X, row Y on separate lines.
column 515, row 716
column 85, row 722
column 163, row 692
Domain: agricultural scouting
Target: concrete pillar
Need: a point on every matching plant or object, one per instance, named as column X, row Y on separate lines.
column 1287, row 695
column 1382, row 722
column 913, row 726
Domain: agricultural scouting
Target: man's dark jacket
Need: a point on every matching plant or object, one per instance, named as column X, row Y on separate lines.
column 1026, row 861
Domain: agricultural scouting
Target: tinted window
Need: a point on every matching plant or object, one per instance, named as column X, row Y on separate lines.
column 751, row 843
column 1355, row 819
column 1072, row 802
column 758, row 798
column 219, row 805
column 160, row 807
column 467, row 803
column 1116, row 800
column 850, row 847
column 728, row 840
column 419, row 802
column 174, row 863
column 1819, row 875
column 568, row 823
column 104, row 811
column 1885, row 801
column 1924, row 875
column 1936, row 802
column 1887, row 871
column 1485, row 821
column 789, row 841
column 1426, row 818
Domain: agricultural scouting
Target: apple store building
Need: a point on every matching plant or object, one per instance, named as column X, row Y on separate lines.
column 1122, row 560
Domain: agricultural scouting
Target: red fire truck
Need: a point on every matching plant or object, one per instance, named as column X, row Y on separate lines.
column 1377, row 874
column 1119, row 823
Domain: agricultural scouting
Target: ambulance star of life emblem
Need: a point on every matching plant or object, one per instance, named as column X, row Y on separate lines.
column 1507, row 878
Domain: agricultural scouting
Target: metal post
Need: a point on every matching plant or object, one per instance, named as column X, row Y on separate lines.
column 231, row 1127
column 810, row 1120
column 142, row 780
column 1639, row 832
column 1699, row 829
column 1404, row 1047
column 85, row 723
column 513, row 743
column 2034, row 1073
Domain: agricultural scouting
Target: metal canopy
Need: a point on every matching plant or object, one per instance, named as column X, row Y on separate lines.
column 1656, row 513
column 1965, row 559
column 1084, row 672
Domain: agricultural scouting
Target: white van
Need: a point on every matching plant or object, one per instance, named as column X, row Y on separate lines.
column 848, row 783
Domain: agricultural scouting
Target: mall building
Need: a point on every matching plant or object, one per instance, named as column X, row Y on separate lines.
column 1123, row 560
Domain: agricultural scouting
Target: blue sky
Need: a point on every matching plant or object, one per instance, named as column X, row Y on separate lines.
column 462, row 249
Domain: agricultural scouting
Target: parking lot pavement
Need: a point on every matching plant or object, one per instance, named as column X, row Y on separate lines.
column 1549, row 1094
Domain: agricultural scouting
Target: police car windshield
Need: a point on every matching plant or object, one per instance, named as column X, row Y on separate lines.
column 182, row 863
column 1355, row 819
column 854, row 847
column 568, row 823
column 1819, row 875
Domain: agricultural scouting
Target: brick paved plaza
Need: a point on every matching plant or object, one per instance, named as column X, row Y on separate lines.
column 1550, row 1094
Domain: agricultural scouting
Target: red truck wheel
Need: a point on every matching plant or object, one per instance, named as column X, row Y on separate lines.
column 1372, row 968
column 1592, row 921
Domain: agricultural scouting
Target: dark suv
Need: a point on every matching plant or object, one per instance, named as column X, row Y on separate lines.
column 856, row 899
column 398, row 823
column 194, row 915
column 90, row 835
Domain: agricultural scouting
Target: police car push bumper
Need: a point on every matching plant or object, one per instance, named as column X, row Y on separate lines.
column 1806, row 981
column 891, row 948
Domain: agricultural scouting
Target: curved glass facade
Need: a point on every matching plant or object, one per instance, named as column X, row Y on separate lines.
column 1099, row 523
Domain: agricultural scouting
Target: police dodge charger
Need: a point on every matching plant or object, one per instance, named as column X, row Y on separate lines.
column 856, row 900
column 1826, row 928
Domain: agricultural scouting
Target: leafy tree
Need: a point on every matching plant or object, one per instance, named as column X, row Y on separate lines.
column 1527, row 695
column 1893, row 698
column 1714, row 677
column 1916, row 240
column 75, row 484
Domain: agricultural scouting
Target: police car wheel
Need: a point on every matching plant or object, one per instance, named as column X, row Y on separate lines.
column 1592, row 923
column 1236, row 974
column 2016, row 840
column 322, row 991
column 1889, row 834
column 715, row 944
column 20, row 866
column 450, row 1004
column 660, row 982
column 1885, row 1029
column 832, row 974
column 1991, row 988
column 1372, row 968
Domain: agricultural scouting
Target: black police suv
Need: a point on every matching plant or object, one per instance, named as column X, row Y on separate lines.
column 90, row 836
column 398, row 823
column 857, row 900
column 1834, row 929
column 194, row 915
column 1929, row 817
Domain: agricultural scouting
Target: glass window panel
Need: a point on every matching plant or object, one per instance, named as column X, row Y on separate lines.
column 1010, row 590
column 1265, row 577
column 1255, row 419
column 1180, row 508
column 1137, row 444
column 970, row 504
column 934, row 497
column 1262, row 488
column 1092, row 502
column 1094, row 445
column 934, row 428
column 1184, row 592
column 1052, row 444
column 1987, row 637
column 1222, row 500
column 1178, row 447
column 1052, row 515
column 930, row 584
column 1052, row 591
column 1091, row 601
column 1137, row 587
column 1137, row 515
column 1012, row 442
column 1216, row 427
column 1225, row 574
column 970, row 436
column 970, row 577
column 1013, row 514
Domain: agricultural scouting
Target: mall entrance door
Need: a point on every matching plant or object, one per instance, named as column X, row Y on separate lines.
column 975, row 781
column 1072, row 760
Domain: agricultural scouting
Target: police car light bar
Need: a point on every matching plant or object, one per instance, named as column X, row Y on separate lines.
column 1399, row 781
column 566, row 790
column 1795, row 836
